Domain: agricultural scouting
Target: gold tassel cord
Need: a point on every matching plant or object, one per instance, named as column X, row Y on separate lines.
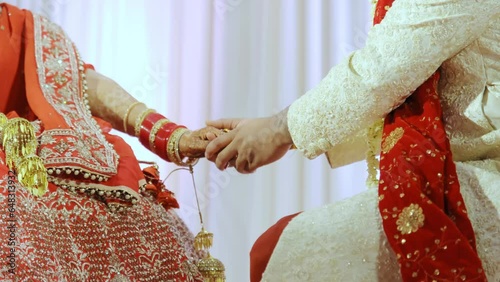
column 212, row 269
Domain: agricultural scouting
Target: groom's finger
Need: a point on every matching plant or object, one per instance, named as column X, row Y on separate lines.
column 225, row 156
column 225, row 123
column 216, row 145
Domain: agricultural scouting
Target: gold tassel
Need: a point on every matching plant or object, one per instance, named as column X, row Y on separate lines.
column 203, row 240
column 212, row 269
column 31, row 173
column 3, row 122
column 20, row 145
column 19, row 140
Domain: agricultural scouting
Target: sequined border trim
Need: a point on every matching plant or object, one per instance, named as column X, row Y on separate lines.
column 57, row 67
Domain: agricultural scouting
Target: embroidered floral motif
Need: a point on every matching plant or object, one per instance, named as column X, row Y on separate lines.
column 390, row 141
column 410, row 219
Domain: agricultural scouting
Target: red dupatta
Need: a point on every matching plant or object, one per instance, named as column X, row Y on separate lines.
column 423, row 212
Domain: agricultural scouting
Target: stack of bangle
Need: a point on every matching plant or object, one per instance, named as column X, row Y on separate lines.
column 173, row 149
column 161, row 136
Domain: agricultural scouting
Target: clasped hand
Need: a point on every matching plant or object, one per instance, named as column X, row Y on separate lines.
column 250, row 143
column 246, row 144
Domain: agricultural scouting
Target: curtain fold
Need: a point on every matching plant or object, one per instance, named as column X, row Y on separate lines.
column 195, row 60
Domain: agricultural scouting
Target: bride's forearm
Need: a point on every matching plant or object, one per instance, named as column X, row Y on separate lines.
column 110, row 102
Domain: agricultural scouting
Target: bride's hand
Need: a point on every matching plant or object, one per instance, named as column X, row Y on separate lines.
column 193, row 143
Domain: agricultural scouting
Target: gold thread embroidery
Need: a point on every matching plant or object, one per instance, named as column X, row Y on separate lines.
column 392, row 139
column 374, row 133
column 410, row 219
column 62, row 84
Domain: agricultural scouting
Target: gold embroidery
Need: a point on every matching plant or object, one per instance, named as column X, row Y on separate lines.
column 374, row 133
column 410, row 219
column 75, row 238
column 392, row 139
column 62, row 80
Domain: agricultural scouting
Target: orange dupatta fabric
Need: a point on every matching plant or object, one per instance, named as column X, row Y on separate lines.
column 423, row 212
column 43, row 76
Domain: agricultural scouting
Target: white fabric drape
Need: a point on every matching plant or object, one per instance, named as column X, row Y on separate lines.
column 194, row 60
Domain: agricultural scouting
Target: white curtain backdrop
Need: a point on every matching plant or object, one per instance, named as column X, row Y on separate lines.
column 195, row 60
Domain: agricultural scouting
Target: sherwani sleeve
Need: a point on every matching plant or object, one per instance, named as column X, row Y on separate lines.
column 406, row 48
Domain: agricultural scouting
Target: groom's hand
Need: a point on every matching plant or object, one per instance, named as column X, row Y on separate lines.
column 225, row 123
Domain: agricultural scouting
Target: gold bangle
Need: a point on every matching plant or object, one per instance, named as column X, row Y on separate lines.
column 140, row 119
column 173, row 149
column 172, row 143
column 127, row 113
column 154, row 131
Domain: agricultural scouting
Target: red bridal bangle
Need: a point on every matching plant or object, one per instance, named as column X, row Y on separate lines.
column 156, row 133
column 153, row 135
column 146, row 127
column 161, row 140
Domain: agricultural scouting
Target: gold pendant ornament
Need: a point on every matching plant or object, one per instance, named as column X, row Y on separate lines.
column 203, row 240
column 19, row 143
column 212, row 269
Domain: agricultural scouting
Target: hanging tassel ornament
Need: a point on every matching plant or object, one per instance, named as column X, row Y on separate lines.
column 203, row 240
column 20, row 145
column 19, row 140
column 212, row 269
column 31, row 173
